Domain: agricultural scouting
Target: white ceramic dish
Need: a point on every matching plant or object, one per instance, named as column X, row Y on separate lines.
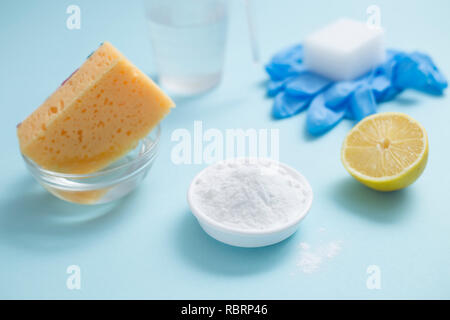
column 245, row 237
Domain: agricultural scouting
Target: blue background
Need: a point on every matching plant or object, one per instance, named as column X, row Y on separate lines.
column 149, row 245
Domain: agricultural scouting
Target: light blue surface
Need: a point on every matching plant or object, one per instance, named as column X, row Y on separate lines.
column 149, row 245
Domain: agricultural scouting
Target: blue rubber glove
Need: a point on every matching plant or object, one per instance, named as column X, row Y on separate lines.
column 296, row 89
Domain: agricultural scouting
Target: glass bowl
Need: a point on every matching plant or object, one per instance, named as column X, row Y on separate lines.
column 106, row 185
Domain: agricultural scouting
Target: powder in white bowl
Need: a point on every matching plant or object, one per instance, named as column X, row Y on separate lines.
column 251, row 194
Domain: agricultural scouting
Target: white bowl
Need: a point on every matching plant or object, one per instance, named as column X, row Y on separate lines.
column 244, row 237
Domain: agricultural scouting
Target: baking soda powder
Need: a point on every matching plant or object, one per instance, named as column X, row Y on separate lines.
column 250, row 194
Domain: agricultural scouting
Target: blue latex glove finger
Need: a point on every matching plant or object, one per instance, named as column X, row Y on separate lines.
column 417, row 71
column 319, row 118
column 362, row 103
column 306, row 85
column 438, row 79
column 273, row 87
column 338, row 93
column 286, row 106
column 383, row 89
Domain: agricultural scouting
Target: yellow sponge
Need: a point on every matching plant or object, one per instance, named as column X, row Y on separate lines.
column 96, row 116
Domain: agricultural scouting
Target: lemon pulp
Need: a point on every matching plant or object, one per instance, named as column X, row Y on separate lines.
column 386, row 151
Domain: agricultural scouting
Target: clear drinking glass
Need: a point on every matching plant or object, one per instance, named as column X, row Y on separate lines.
column 188, row 39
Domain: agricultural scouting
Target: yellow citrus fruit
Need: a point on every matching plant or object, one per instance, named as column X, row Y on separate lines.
column 386, row 151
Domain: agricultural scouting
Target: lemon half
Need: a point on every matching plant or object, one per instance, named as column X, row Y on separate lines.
column 386, row 151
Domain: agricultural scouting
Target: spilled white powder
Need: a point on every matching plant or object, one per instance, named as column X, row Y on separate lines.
column 251, row 194
column 311, row 258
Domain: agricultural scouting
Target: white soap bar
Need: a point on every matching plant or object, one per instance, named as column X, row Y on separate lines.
column 344, row 50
